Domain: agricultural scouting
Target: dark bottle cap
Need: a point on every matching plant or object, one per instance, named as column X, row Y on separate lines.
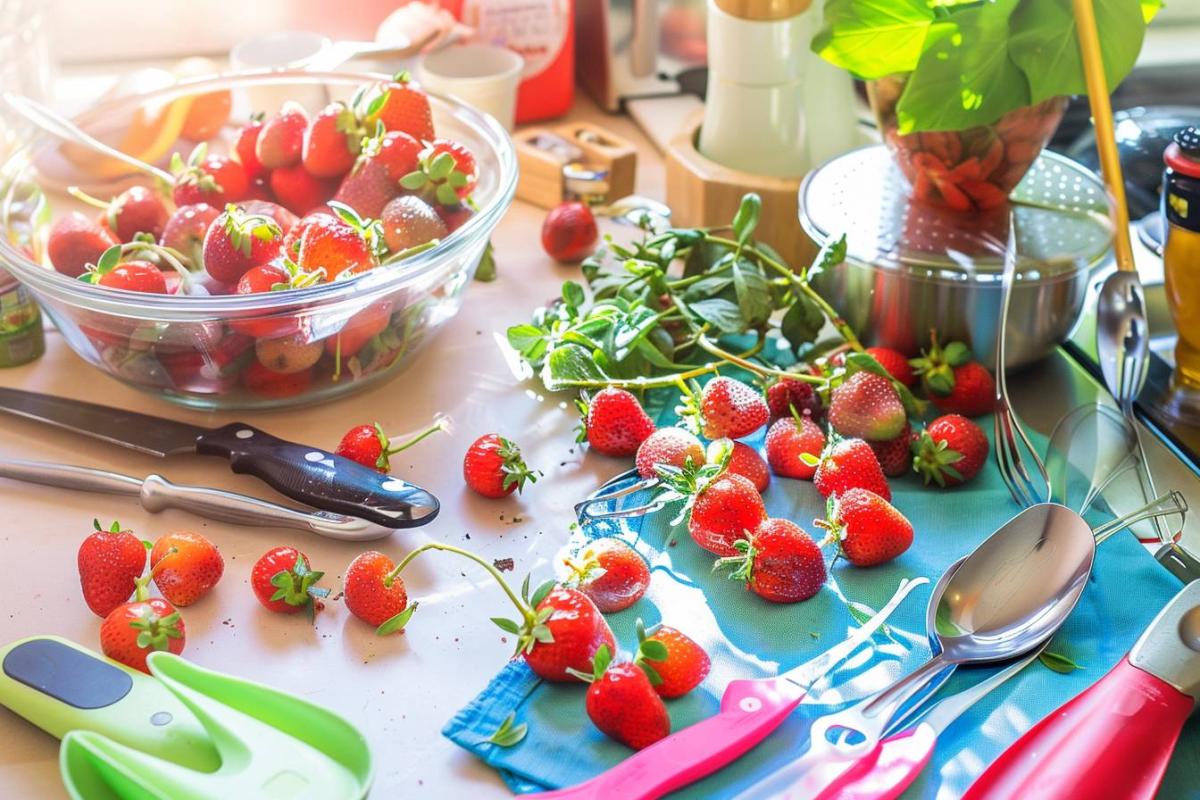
column 1188, row 140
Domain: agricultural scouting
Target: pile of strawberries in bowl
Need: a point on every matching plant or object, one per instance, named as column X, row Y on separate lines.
column 297, row 253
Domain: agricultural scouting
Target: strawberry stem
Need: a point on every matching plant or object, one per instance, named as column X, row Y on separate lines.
column 526, row 612
column 141, row 592
column 84, row 197
column 711, row 347
column 440, row 424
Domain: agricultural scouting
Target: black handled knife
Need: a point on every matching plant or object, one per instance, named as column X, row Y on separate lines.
column 305, row 474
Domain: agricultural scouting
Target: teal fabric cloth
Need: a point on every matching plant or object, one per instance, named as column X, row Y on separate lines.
column 747, row 637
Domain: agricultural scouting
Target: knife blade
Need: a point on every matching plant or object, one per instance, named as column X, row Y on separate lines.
column 306, row 474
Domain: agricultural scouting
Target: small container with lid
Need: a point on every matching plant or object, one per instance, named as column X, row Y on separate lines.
column 1181, row 265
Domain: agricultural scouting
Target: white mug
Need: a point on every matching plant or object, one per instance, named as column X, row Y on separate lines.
column 484, row 76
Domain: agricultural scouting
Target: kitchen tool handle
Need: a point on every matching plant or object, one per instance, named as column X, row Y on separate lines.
column 1113, row 740
column 889, row 769
column 66, row 476
column 159, row 494
column 320, row 479
column 750, row 710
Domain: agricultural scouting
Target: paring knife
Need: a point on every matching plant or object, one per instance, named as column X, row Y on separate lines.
column 305, row 474
column 156, row 493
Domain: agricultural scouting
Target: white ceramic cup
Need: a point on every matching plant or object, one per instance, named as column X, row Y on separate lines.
column 481, row 75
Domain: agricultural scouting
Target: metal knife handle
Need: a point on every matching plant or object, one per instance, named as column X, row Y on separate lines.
column 320, row 479
column 65, row 476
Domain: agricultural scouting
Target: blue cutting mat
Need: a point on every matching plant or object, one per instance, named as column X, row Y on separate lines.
column 747, row 637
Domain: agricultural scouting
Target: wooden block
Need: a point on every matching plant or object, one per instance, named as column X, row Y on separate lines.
column 702, row 193
column 604, row 149
column 541, row 179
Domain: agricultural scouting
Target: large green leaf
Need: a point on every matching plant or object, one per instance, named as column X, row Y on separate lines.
column 725, row 316
column 753, row 293
column 569, row 363
column 1044, row 43
column 873, row 38
column 965, row 76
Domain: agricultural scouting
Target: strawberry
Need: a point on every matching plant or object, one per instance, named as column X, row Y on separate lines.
column 867, row 528
column 569, row 232
column 215, row 180
column 454, row 217
column 237, row 241
column 730, row 409
column 135, row 210
column 744, row 460
column 622, row 704
column 186, row 566
column 464, row 162
column 401, row 106
column 298, row 191
column 285, row 583
column 953, row 382
column 370, row 446
column 396, row 150
column 866, row 406
column 614, row 422
column 285, row 219
column 410, row 222
column 76, row 241
column 134, row 630
column 281, row 140
column 674, row 663
column 610, row 572
column 246, row 147
column 343, row 244
column 375, row 595
column 895, row 455
column 895, row 363
column 274, row 385
column 794, row 444
column 186, row 229
column 848, row 464
column 787, row 393
column 672, row 446
column 367, row 189
column 442, row 175
column 360, row 330
column 779, row 562
column 272, row 277
column 951, row 450
column 332, row 141
column 319, row 217
column 725, row 510
column 110, row 562
column 133, row 276
column 493, row 467
column 289, row 354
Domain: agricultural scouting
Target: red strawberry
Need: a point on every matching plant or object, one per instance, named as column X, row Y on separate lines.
column 285, row 219
column 442, row 175
column 281, row 140
column 291, row 241
column 849, row 464
column 787, row 393
column 186, row 566
column 215, row 180
column 678, row 663
column 402, row 106
column 867, row 407
column 614, row 422
column 237, row 241
column 132, row 276
column 576, row 628
column 569, row 233
column 285, row 583
column 257, row 280
column 622, row 703
column 895, row 363
column 454, row 217
column 368, row 189
column 247, row 145
column 725, row 510
column 867, row 528
column 410, row 222
column 464, row 162
column 186, row 228
column 951, row 450
column 375, row 593
column 610, row 572
column 744, row 460
column 370, row 446
column 396, row 150
column 779, row 562
column 730, row 409
column 135, row 210
column 342, row 244
column 895, row 455
column 789, row 441
column 298, row 191
column 360, row 330
column 274, row 385
column 671, row 446
column 135, row 630
column 493, row 467
column 110, row 562
column 76, row 241
column 973, row 394
column 332, row 141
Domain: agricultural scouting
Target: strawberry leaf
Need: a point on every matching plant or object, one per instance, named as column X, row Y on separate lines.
column 541, row 593
column 397, row 622
column 509, row 734
column 1058, row 662
column 506, row 625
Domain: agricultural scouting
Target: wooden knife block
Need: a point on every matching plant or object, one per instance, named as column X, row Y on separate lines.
column 541, row 180
column 702, row 193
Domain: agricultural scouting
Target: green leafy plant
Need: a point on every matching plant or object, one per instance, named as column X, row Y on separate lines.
column 968, row 62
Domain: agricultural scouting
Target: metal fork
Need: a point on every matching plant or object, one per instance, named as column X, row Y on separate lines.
column 1009, row 434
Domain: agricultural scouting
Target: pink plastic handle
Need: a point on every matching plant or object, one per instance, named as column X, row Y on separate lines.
column 1113, row 740
column 888, row 770
column 750, row 710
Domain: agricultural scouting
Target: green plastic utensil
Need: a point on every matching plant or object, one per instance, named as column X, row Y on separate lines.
column 181, row 733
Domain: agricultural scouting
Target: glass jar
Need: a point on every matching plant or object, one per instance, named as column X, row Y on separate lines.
column 21, row 336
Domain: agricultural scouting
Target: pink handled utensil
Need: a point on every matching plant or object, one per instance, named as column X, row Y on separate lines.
column 750, row 710
column 1115, row 739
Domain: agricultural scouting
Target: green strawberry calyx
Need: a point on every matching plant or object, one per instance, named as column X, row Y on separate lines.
column 649, row 650
column 437, row 176
column 935, row 459
column 296, row 586
column 600, row 663
column 936, row 366
column 242, row 229
column 154, row 632
column 191, row 172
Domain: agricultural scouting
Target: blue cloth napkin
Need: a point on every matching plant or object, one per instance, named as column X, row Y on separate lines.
column 747, row 637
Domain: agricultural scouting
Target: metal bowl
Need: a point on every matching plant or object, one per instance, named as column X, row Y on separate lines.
column 911, row 269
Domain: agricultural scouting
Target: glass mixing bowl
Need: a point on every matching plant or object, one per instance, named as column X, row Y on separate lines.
column 204, row 351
